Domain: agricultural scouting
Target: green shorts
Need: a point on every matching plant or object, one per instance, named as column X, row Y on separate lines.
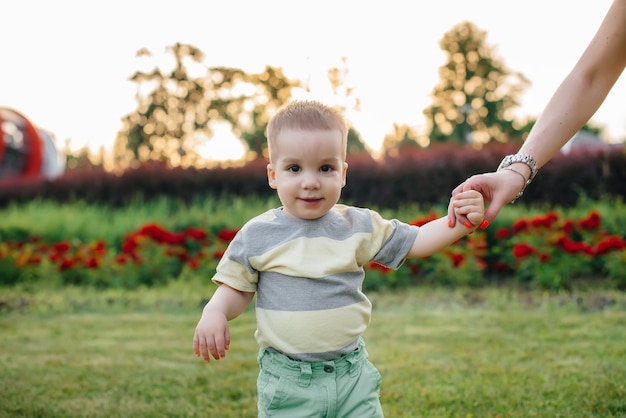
column 346, row 387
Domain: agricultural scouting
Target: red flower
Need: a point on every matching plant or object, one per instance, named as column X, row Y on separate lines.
column 547, row 220
column 218, row 254
column 502, row 233
column 183, row 256
column 592, row 221
column 568, row 227
column 538, row 221
column 574, row 247
column 522, row 250
column 121, row 259
column 194, row 264
column 92, row 263
column 608, row 244
column 61, row 247
column 521, row 225
column 227, row 235
column 66, row 264
column 196, row 233
column 99, row 247
column 551, row 218
column 457, row 259
column 161, row 235
column 130, row 243
column 543, row 257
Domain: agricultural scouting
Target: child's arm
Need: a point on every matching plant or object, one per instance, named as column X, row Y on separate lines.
column 212, row 335
column 436, row 235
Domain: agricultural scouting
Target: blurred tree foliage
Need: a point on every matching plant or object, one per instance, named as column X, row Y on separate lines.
column 476, row 96
column 338, row 78
column 180, row 112
column 402, row 137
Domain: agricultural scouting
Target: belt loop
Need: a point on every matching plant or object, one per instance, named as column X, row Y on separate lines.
column 356, row 357
column 354, row 364
column 305, row 374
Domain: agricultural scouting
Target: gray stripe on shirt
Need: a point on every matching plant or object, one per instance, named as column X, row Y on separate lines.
column 285, row 293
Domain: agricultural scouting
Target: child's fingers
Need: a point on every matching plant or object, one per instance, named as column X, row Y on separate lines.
column 471, row 206
column 475, row 218
column 201, row 347
column 218, row 348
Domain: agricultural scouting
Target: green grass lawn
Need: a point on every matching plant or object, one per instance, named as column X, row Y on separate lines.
column 442, row 353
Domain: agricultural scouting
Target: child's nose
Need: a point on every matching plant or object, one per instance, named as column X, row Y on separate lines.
column 310, row 181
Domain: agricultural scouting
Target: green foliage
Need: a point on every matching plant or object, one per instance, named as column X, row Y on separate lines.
column 474, row 100
column 181, row 111
column 553, row 250
column 153, row 244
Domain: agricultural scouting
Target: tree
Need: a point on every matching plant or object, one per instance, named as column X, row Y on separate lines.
column 166, row 120
column 179, row 113
column 337, row 76
column 250, row 113
column 402, row 137
column 476, row 96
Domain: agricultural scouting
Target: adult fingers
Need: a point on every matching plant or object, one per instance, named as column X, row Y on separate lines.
column 493, row 209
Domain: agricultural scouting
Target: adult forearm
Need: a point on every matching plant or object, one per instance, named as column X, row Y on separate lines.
column 573, row 104
column 583, row 90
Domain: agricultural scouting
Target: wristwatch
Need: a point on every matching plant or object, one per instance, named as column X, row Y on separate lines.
column 524, row 159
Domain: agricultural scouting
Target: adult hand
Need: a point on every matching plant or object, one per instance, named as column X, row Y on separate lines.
column 498, row 189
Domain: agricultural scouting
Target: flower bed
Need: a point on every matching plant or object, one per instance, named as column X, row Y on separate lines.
column 543, row 251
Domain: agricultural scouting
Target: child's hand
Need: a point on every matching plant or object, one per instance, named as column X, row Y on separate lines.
column 471, row 204
column 212, row 336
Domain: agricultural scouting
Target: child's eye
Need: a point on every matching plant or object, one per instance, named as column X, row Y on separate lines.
column 293, row 168
column 326, row 168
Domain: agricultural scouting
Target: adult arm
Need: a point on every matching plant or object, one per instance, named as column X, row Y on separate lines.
column 573, row 103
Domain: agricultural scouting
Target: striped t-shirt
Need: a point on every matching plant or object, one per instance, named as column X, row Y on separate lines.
column 308, row 275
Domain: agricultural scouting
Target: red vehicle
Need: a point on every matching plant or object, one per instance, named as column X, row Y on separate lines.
column 25, row 150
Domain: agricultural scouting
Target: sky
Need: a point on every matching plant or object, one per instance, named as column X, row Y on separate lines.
column 66, row 64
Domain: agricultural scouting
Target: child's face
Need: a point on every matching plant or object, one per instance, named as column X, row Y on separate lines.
column 308, row 171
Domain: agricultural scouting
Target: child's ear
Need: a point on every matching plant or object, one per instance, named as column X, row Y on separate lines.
column 271, row 176
column 344, row 174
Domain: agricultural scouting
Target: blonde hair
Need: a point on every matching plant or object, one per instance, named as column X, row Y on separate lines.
column 309, row 115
